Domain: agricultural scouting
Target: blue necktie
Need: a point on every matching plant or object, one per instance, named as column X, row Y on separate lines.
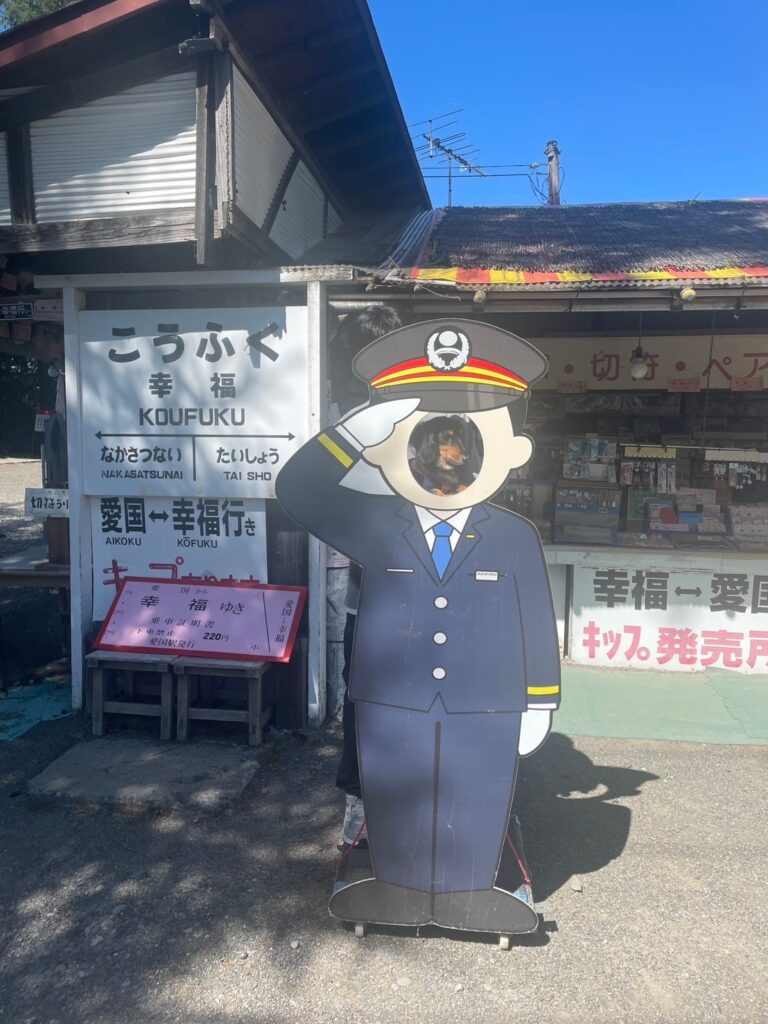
column 441, row 549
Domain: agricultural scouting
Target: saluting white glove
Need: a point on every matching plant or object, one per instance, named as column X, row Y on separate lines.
column 374, row 423
column 534, row 729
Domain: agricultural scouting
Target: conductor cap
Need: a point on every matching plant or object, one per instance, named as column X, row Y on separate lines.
column 451, row 365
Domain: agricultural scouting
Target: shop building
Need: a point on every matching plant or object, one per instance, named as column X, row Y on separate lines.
column 649, row 482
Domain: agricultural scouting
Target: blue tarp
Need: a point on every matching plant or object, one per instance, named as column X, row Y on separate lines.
column 25, row 706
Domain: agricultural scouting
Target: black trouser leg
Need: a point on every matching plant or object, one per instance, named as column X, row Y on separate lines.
column 348, row 773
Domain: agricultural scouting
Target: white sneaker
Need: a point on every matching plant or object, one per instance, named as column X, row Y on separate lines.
column 354, row 821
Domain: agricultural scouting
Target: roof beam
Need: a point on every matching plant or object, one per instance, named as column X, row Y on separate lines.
column 341, row 113
column 376, row 131
column 341, row 77
column 300, row 47
column 32, row 39
column 131, row 229
column 360, row 170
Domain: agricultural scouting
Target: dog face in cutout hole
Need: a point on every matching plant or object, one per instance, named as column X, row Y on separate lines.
column 502, row 451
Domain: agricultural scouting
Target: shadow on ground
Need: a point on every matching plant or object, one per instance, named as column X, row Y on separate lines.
column 572, row 821
column 103, row 908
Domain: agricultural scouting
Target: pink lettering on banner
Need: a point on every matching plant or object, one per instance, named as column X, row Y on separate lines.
column 677, row 646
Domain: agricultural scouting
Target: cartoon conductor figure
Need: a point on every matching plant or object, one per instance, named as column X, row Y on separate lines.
column 455, row 667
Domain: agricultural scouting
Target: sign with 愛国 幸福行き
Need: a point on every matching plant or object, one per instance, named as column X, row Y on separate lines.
column 192, row 401
column 223, row 619
column 188, row 539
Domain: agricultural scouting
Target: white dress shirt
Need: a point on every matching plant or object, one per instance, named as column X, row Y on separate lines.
column 429, row 521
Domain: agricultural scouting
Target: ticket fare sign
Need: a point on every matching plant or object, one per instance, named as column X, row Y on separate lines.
column 228, row 620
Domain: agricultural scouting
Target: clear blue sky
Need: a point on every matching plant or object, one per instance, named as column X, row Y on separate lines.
column 649, row 99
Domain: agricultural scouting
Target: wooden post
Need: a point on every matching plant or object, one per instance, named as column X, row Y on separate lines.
column 553, row 159
column 81, row 579
column 254, row 709
column 20, row 180
column 182, row 706
column 166, row 705
column 206, row 157
column 97, row 701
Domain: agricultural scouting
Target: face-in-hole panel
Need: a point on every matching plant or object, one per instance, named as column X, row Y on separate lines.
column 445, row 454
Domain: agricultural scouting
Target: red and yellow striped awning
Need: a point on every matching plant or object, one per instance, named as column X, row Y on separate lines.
column 478, row 276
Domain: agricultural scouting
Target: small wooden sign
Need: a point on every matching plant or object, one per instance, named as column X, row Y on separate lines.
column 648, row 451
column 572, row 387
column 747, row 383
column 228, row 619
column 686, row 385
column 47, row 501
column 16, row 310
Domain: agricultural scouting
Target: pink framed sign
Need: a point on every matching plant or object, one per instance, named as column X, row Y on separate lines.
column 228, row 619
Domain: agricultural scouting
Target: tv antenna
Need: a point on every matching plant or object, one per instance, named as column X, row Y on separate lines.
column 450, row 150
column 452, row 154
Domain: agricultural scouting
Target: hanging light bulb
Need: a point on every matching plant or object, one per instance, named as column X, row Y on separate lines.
column 638, row 361
column 638, row 364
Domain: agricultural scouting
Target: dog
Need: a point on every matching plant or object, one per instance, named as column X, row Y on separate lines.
column 440, row 460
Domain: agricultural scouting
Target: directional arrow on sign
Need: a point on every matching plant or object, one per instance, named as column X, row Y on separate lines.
column 694, row 593
column 154, row 516
column 237, row 437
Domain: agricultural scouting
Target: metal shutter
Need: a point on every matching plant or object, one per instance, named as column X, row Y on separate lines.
column 299, row 221
column 261, row 152
column 131, row 151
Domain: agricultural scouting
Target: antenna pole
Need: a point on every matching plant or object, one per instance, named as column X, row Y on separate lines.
column 552, row 154
column 450, row 182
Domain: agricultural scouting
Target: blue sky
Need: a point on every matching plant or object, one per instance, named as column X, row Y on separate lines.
column 649, row 99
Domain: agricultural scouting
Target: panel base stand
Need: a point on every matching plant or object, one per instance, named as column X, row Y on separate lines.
column 506, row 909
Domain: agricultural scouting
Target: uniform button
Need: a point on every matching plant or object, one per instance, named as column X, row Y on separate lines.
column 439, row 638
column 438, row 673
column 441, row 602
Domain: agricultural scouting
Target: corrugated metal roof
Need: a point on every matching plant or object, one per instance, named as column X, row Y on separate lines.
column 131, row 151
column 5, row 196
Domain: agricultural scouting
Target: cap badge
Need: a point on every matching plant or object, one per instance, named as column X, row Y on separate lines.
column 448, row 350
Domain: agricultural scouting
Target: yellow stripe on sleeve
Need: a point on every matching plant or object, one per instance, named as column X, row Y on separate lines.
column 542, row 691
column 338, row 453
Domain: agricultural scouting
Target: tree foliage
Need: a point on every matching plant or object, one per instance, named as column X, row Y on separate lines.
column 16, row 12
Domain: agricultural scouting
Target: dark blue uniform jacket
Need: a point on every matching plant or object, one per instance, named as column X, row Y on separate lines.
column 493, row 605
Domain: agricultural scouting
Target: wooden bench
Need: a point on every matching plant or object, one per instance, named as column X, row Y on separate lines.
column 189, row 671
column 106, row 665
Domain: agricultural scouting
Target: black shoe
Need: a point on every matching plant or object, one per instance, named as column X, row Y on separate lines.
column 376, row 902
column 485, row 910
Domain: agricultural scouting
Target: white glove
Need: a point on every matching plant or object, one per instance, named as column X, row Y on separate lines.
column 534, row 729
column 374, row 423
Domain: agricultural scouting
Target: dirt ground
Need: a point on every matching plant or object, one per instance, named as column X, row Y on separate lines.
column 650, row 858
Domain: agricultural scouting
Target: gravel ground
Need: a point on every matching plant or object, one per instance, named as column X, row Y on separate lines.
column 651, row 858
column 18, row 531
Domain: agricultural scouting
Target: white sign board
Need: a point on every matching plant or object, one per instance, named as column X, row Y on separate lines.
column 192, row 401
column 47, row 501
column 175, row 538
column 677, row 621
